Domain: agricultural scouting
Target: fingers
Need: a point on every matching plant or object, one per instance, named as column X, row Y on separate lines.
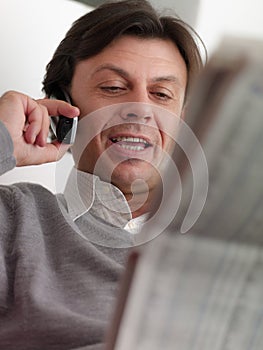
column 38, row 119
column 41, row 139
column 24, row 116
column 37, row 126
column 34, row 123
column 36, row 155
column 57, row 107
column 27, row 121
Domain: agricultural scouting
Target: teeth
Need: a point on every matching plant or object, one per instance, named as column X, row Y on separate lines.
column 133, row 148
column 130, row 139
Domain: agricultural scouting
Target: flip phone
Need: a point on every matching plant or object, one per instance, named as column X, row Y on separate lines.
column 64, row 128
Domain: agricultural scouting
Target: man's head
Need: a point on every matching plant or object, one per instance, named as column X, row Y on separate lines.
column 94, row 31
column 123, row 65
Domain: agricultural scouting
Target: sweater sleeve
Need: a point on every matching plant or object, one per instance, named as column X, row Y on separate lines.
column 7, row 160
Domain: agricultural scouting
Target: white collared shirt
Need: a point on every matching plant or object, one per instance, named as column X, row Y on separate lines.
column 85, row 192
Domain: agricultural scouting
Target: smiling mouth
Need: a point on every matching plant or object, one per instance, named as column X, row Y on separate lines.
column 131, row 143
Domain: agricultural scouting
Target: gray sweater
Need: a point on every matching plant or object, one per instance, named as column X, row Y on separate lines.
column 57, row 288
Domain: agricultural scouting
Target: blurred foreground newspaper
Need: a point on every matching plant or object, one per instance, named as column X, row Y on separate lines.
column 203, row 290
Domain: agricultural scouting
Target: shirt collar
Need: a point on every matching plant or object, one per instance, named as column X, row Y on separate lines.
column 85, row 192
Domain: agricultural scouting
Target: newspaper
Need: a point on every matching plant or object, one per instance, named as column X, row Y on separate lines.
column 203, row 290
column 233, row 146
column 196, row 294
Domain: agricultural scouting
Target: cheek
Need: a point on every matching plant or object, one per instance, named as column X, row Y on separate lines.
column 168, row 122
column 95, row 148
column 168, row 129
column 87, row 154
column 90, row 105
column 168, row 143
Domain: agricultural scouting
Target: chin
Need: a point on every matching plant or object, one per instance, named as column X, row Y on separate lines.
column 140, row 175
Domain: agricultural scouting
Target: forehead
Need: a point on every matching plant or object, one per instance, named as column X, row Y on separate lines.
column 144, row 47
column 139, row 55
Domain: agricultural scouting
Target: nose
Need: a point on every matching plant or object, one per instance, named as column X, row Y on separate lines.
column 137, row 111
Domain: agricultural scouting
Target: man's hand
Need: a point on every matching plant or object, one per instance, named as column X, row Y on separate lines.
column 27, row 121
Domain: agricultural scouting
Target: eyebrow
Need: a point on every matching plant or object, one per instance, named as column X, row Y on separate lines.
column 112, row 68
column 168, row 78
column 125, row 74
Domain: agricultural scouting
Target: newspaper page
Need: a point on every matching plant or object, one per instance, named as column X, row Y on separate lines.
column 203, row 290
column 196, row 294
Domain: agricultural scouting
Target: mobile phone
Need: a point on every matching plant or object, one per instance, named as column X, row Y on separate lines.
column 64, row 128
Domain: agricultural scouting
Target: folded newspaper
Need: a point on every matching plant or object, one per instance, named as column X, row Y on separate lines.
column 203, row 289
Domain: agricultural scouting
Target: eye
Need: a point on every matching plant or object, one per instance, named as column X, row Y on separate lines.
column 161, row 93
column 113, row 89
column 162, row 96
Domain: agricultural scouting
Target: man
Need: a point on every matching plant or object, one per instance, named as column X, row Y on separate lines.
column 61, row 256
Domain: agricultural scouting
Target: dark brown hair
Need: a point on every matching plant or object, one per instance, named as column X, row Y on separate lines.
column 91, row 33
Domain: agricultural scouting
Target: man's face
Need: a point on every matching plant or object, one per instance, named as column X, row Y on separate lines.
column 135, row 78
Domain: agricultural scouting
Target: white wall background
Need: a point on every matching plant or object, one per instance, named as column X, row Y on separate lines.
column 30, row 30
column 241, row 18
column 186, row 9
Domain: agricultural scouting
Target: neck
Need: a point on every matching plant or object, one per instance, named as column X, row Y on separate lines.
column 141, row 203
